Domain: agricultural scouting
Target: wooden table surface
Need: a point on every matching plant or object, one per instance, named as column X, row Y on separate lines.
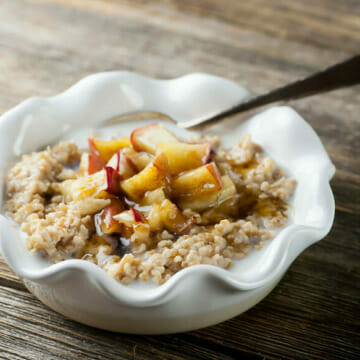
column 45, row 46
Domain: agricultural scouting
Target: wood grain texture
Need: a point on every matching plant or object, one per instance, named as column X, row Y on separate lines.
column 46, row 46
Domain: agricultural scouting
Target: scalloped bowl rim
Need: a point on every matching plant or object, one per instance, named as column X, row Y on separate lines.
column 155, row 296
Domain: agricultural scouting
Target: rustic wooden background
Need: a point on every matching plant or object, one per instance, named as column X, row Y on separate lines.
column 45, row 46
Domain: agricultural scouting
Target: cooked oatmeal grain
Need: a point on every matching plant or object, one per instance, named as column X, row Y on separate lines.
column 62, row 227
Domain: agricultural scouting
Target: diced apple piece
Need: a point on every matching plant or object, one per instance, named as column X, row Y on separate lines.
column 156, row 196
column 129, row 217
column 141, row 233
column 228, row 190
column 114, row 162
column 95, row 162
column 228, row 208
column 137, row 215
column 168, row 216
column 90, row 206
column 200, row 202
column 154, row 218
column 152, row 177
column 128, row 220
column 148, row 137
column 122, row 164
column 105, row 219
column 173, row 219
column 203, row 180
column 106, row 149
column 183, row 156
column 139, row 159
column 103, row 184
column 113, row 180
column 86, row 186
column 126, row 167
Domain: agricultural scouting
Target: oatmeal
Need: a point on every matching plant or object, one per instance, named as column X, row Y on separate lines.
column 147, row 206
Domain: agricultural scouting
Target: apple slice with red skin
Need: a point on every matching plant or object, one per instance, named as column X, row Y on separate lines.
column 108, row 225
column 148, row 137
column 202, row 180
column 129, row 220
column 155, row 175
column 95, row 162
column 113, row 180
column 114, row 162
column 104, row 184
column 129, row 217
column 137, row 215
column 122, row 164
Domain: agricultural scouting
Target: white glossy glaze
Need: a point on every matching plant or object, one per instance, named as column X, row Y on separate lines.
column 197, row 296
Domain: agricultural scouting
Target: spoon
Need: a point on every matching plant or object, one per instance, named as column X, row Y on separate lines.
column 343, row 74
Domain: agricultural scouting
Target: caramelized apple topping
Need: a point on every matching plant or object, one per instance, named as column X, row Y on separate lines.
column 148, row 178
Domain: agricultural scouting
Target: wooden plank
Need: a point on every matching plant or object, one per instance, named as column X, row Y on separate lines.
column 29, row 329
column 8, row 278
column 330, row 24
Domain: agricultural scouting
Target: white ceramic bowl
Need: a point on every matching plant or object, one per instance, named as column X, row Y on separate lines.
column 198, row 296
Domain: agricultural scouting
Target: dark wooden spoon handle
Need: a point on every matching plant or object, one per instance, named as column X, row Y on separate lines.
column 346, row 73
